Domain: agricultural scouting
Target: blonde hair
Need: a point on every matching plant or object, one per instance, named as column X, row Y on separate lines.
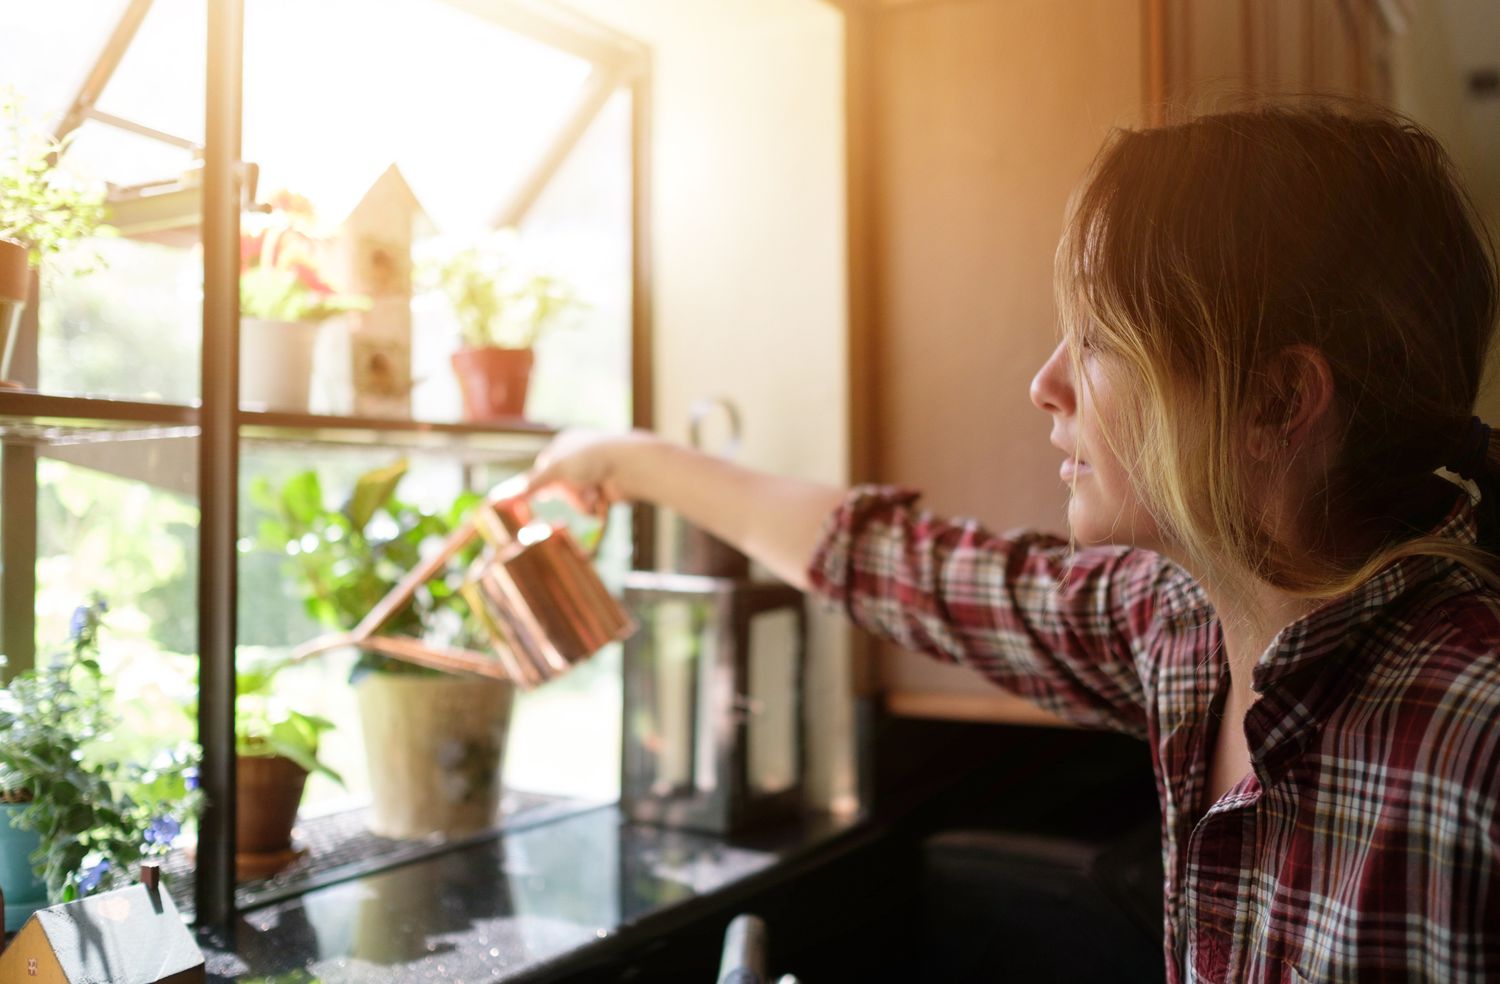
column 1198, row 254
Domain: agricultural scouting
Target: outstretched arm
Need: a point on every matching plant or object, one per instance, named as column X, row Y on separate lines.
column 775, row 520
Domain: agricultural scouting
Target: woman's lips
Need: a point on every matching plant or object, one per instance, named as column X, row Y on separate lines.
column 1072, row 468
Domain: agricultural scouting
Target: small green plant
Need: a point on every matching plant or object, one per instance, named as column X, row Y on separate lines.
column 96, row 815
column 498, row 301
column 265, row 723
column 40, row 206
column 348, row 557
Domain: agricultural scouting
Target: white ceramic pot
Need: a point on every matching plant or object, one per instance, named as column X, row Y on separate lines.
column 434, row 746
column 276, row 359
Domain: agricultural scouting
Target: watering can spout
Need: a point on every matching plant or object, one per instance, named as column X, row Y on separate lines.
column 532, row 588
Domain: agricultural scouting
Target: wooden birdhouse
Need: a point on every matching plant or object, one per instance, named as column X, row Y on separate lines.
column 129, row 936
column 374, row 259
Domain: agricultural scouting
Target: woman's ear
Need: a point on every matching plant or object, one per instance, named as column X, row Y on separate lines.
column 1297, row 403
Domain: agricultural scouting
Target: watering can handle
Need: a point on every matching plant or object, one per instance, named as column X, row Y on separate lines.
column 516, row 513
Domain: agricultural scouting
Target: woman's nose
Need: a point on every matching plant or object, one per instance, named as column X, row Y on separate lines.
column 1052, row 386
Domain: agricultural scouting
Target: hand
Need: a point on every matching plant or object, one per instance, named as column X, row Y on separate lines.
column 583, row 468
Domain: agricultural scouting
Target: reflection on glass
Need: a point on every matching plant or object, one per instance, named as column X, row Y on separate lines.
column 665, row 723
column 773, row 705
column 130, row 327
column 117, row 523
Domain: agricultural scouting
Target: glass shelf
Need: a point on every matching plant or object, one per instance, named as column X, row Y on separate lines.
column 511, row 441
column 337, row 847
column 41, row 420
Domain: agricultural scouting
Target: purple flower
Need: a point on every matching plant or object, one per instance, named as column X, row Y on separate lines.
column 163, row 831
column 90, row 879
column 79, row 622
column 190, row 777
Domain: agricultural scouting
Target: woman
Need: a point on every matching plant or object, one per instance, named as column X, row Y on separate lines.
column 1281, row 521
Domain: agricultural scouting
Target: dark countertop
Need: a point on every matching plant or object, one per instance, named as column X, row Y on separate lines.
column 515, row 907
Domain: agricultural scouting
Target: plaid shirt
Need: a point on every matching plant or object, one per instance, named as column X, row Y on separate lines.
column 1362, row 845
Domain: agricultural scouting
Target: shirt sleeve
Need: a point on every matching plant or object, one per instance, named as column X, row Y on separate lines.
column 1062, row 628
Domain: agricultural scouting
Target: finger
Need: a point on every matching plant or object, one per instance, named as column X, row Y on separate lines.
column 577, row 498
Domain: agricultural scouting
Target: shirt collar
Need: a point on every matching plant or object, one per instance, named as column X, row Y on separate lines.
column 1338, row 624
column 1312, row 665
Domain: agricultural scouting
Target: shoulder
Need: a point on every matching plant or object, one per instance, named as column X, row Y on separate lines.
column 1449, row 643
column 1434, row 695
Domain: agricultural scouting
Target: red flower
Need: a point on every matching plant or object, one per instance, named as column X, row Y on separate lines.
column 309, row 277
column 251, row 246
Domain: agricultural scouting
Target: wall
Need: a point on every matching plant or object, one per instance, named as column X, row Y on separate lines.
column 1441, row 43
column 748, row 264
column 984, row 115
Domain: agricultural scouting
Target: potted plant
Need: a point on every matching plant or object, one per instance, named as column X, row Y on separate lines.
column 74, row 818
column 42, row 211
column 503, row 309
column 284, row 298
column 276, row 748
column 434, row 742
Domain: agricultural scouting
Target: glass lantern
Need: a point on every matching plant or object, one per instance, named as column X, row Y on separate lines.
column 714, row 737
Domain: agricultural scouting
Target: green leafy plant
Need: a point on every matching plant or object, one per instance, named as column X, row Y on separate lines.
column 265, row 723
column 40, row 205
column 498, row 301
column 96, row 815
column 347, row 557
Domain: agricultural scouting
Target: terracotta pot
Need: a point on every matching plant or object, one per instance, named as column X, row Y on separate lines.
column 268, row 790
column 493, row 382
column 15, row 276
column 434, row 746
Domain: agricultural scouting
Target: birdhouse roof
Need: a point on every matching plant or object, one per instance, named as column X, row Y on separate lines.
column 128, row 936
column 390, row 196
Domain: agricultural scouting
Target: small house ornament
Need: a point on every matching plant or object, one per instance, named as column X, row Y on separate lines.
column 374, row 258
column 132, row 935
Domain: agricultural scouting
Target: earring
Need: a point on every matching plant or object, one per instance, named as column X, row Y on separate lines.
column 1286, row 442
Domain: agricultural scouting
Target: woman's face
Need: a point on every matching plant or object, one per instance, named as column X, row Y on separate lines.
column 1104, row 507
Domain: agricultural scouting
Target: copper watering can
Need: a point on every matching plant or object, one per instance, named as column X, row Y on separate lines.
column 532, row 588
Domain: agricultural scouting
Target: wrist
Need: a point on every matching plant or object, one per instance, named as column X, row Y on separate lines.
column 635, row 461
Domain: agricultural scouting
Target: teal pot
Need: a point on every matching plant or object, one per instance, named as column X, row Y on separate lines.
column 24, row 891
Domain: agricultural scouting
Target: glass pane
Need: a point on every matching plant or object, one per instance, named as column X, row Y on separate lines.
column 281, row 577
column 117, row 528
column 120, row 315
column 675, row 684
column 106, row 153
column 772, row 720
column 580, row 229
column 160, row 80
column 295, row 574
column 47, row 48
column 130, row 326
column 338, row 91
